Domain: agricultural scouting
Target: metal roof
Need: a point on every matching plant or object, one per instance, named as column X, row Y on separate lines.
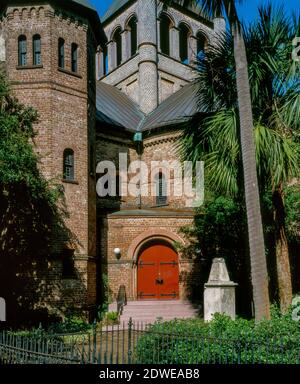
column 177, row 108
column 94, row 18
column 85, row 3
column 115, row 7
column 115, row 108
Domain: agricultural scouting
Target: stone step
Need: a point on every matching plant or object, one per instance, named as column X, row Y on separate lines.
column 154, row 306
column 142, row 318
column 147, row 316
column 157, row 302
column 159, row 313
column 172, row 312
column 163, row 307
column 148, row 311
column 150, row 320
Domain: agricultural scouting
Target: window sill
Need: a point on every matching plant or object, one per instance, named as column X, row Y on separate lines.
column 160, row 205
column 29, row 66
column 118, row 66
column 190, row 65
column 70, row 181
column 67, row 72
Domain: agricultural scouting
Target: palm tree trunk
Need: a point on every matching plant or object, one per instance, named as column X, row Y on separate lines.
column 284, row 278
column 259, row 274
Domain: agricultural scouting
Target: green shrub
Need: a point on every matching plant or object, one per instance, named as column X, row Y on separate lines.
column 221, row 341
column 101, row 311
column 112, row 316
column 106, row 298
column 31, row 333
column 71, row 324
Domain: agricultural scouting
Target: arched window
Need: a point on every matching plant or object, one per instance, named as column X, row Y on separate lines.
column 201, row 45
column 68, row 171
column 161, row 189
column 37, row 50
column 132, row 26
column 165, row 25
column 22, row 47
column 74, row 57
column 61, row 53
column 117, row 38
column 184, row 34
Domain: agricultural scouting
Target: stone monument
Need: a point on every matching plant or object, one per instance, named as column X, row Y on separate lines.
column 219, row 291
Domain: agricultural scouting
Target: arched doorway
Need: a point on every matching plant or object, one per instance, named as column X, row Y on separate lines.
column 158, row 273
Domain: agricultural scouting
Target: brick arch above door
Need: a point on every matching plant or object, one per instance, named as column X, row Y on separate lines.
column 151, row 234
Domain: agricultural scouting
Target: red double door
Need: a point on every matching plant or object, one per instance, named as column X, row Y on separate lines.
column 158, row 274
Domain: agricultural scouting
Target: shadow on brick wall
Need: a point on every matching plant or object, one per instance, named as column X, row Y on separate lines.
column 30, row 276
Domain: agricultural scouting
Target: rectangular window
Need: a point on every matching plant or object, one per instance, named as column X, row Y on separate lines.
column 74, row 65
column 37, row 51
column 68, row 171
column 22, row 50
column 61, row 53
column 161, row 194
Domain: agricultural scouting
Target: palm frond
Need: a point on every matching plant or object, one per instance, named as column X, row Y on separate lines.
column 277, row 157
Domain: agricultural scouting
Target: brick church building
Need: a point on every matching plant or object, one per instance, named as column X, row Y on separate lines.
column 119, row 85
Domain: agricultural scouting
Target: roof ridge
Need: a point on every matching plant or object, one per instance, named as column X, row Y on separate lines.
column 117, row 106
column 115, row 6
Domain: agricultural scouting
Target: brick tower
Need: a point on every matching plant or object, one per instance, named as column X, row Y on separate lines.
column 50, row 50
column 151, row 50
column 147, row 40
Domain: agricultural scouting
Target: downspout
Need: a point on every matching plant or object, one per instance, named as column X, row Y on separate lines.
column 138, row 141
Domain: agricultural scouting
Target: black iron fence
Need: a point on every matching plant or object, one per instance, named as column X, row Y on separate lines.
column 135, row 343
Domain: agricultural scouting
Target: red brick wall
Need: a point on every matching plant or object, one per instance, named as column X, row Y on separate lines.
column 123, row 231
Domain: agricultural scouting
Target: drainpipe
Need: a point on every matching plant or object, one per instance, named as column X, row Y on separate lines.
column 138, row 141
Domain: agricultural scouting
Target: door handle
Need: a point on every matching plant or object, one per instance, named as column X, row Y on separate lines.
column 159, row 281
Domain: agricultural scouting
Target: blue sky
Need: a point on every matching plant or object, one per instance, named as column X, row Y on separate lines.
column 247, row 11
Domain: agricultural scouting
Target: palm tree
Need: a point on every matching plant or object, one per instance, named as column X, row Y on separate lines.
column 259, row 275
column 275, row 85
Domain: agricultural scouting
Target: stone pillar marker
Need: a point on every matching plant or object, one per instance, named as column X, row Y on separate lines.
column 219, row 291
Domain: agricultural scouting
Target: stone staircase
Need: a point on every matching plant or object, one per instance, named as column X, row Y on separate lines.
column 149, row 311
